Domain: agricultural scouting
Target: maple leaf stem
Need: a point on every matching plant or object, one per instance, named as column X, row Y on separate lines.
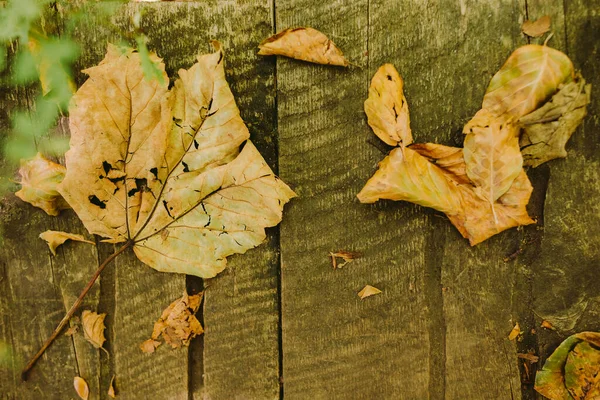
column 73, row 308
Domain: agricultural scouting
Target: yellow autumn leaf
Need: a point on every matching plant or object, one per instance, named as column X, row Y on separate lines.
column 162, row 170
column 368, row 291
column 514, row 333
column 81, row 387
column 529, row 77
column 56, row 238
column 39, row 184
column 387, row 108
column 305, row 44
column 492, row 156
column 93, row 327
column 111, row 388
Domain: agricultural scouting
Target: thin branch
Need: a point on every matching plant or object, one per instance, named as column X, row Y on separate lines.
column 73, row 308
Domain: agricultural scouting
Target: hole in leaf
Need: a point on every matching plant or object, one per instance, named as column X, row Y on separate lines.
column 154, row 172
column 185, row 167
column 96, row 201
column 107, row 167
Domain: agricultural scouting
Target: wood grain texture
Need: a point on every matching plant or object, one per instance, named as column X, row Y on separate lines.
column 336, row 346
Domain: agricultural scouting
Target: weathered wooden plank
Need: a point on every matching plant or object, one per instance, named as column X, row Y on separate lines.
column 240, row 351
column 336, row 345
column 565, row 288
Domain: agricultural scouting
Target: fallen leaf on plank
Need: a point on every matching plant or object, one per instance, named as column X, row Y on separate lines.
column 111, row 388
column 449, row 159
column 347, row 256
column 148, row 346
column 57, row 238
column 93, row 328
column 177, row 325
column 515, row 332
column 536, row 28
column 39, row 184
column 368, row 291
column 387, row 108
column 305, row 44
column 81, row 387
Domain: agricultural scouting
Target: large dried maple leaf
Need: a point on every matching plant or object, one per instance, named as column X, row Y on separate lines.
column 163, row 170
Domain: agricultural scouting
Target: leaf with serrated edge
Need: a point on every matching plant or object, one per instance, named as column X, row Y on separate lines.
column 529, row 76
column 56, row 238
column 305, row 44
column 387, row 109
column 449, row 159
column 492, row 156
column 547, row 130
column 163, row 168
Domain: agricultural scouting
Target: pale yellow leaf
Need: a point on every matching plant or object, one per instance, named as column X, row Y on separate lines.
column 387, row 109
column 81, row 387
column 536, row 28
column 492, row 156
column 56, row 238
column 514, row 333
column 305, row 44
column 546, row 130
column 347, row 256
column 529, row 77
column 111, row 388
column 93, row 327
column 367, row 291
column 163, row 168
column 39, row 182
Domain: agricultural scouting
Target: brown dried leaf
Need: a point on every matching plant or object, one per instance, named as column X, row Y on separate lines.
column 514, row 333
column 148, row 346
column 547, row 325
column 492, row 156
column 368, row 291
column 111, row 388
column 387, row 109
column 532, row 358
column 177, row 325
column 547, row 129
column 347, row 256
column 93, row 327
column 529, row 77
column 449, row 159
column 305, row 44
column 72, row 330
column 171, row 170
column 536, row 28
column 39, row 180
column 81, row 387
column 56, row 238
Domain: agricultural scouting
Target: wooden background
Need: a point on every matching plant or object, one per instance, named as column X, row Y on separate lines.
column 280, row 323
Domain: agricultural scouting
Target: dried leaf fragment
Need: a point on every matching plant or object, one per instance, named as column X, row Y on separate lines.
column 572, row 372
column 547, row 325
column 57, row 238
column 305, row 44
column 148, row 346
column 177, row 325
column 536, row 28
column 93, row 327
column 72, row 330
column 367, row 291
column 514, row 332
column 387, row 108
column 111, row 388
column 169, row 170
column 39, row 180
column 529, row 77
column 81, row 387
column 547, row 130
column 529, row 357
column 347, row 256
